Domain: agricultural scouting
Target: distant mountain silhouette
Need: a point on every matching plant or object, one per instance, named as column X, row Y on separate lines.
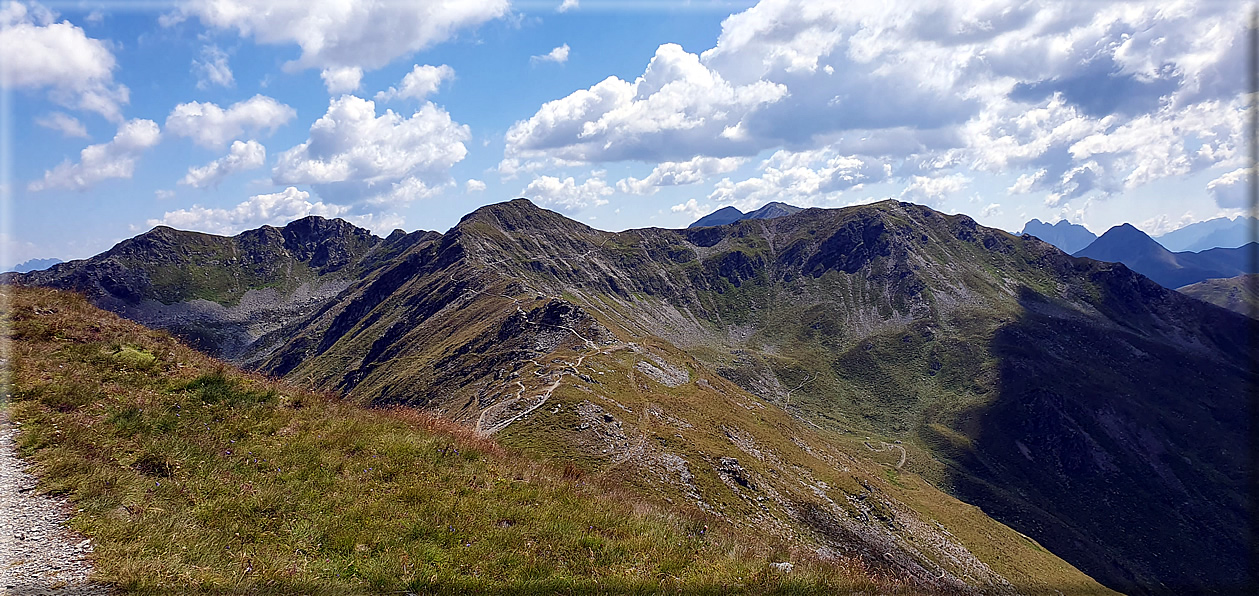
column 1220, row 232
column 719, row 217
column 1066, row 236
column 1134, row 248
column 34, row 265
column 728, row 215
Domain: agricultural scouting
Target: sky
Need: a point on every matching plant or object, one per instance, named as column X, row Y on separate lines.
column 226, row 115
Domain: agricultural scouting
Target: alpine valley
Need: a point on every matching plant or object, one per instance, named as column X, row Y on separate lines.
column 961, row 408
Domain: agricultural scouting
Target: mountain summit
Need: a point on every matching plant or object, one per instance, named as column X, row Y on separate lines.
column 1065, row 235
column 1134, row 248
column 727, row 215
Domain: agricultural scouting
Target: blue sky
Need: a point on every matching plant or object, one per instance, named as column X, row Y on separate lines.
column 224, row 115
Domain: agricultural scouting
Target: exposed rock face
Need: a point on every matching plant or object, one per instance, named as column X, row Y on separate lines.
column 1077, row 401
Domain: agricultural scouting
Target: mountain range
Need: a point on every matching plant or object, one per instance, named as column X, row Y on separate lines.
column 34, row 265
column 755, row 369
column 1220, row 232
column 1065, row 235
column 728, row 215
column 1132, row 247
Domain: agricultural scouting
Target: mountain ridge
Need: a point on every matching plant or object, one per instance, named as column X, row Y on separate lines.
column 1136, row 249
column 1065, row 235
column 888, row 320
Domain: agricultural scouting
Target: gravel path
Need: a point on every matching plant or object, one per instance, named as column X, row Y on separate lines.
column 37, row 554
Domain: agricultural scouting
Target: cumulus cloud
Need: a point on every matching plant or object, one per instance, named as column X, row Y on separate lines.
column 336, row 34
column 163, row 194
column 558, row 55
column 678, row 109
column 674, row 173
column 276, row 209
column 63, row 123
column 566, row 195
column 1230, row 190
column 474, row 185
column 211, row 126
column 807, row 178
column 115, row 159
column 40, row 54
column 932, row 191
column 692, row 209
column 1079, row 99
column 212, row 69
column 344, row 79
column 418, row 84
column 566, row 6
column 353, row 153
column 242, row 156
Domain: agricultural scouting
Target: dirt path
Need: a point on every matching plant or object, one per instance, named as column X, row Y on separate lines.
column 37, row 554
column 884, row 446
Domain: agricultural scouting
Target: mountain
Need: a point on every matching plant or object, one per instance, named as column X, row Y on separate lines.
column 152, row 441
column 819, row 376
column 728, row 215
column 1238, row 294
column 1065, row 235
column 34, row 265
column 772, row 210
column 1220, row 232
column 719, row 217
column 1132, row 247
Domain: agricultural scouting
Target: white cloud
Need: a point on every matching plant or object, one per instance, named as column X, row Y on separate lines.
column 1162, row 224
column 692, row 209
column 63, row 123
column 163, row 194
column 674, row 173
column 352, row 152
column 212, row 69
column 115, row 159
column 558, row 55
column 276, row 209
column 932, row 191
column 993, row 209
column 1078, row 99
column 339, row 34
column 1230, row 189
column 242, row 156
column 211, row 126
column 566, row 6
column 806, row 178
column 76, row 70
column 566, row 195
column 678, row 109
column 344, row 79
column 418, row 84
column 474, row 185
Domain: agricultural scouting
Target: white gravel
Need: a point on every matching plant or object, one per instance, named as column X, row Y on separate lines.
column 38, row 555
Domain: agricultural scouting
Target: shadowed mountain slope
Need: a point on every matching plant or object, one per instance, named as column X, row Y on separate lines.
column 1077, row 401
column 719, row 217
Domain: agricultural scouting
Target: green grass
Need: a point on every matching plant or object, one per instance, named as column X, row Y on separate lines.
column 191, row 476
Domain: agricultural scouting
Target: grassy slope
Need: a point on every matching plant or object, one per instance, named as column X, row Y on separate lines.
column 1238, row 294
column 188, row 474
